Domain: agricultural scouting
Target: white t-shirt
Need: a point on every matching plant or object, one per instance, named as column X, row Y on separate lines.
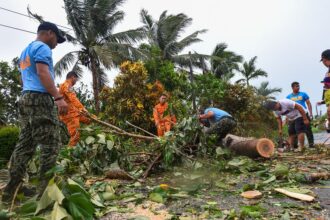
column 288, row 110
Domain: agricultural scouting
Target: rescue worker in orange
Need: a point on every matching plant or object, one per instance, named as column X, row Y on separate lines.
column 74, row 117
column 164, row 119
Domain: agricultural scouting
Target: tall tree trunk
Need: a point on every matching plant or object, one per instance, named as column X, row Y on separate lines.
column 95, row 85
column 191, row 76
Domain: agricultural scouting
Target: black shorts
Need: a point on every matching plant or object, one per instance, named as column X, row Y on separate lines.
column 297, row 126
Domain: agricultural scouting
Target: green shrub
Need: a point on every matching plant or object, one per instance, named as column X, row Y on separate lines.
column 8, row 139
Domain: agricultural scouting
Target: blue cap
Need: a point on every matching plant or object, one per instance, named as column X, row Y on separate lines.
column 46, row 26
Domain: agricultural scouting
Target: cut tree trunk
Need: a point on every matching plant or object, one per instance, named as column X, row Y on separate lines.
column 249, row 146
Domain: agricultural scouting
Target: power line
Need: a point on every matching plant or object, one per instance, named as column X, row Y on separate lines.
column 19, row 29
column 15, row 12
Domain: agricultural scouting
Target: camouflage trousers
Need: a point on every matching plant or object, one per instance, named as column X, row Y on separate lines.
column 221, row 127
column 39, row 127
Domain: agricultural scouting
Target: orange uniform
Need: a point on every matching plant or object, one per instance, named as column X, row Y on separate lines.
column 163, row 122
column 72, row 119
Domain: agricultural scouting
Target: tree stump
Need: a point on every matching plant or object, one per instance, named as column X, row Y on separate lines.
column 250, row 147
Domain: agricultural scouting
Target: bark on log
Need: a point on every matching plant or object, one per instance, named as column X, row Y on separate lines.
column 249, row 146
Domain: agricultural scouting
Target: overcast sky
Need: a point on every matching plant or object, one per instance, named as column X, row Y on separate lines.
column 288, row 36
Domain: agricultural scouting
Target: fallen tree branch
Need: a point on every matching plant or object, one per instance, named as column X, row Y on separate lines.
column 14, row 197
column 141, row 153
column 299, row 196
column 117, row 130
column 130, row 135
column 146, row 173
column 127, row 122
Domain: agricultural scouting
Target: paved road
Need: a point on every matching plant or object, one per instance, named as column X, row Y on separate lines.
column 320, row 138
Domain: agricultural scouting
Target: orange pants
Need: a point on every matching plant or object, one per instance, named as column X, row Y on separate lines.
column 162, row 128
column 73, row 125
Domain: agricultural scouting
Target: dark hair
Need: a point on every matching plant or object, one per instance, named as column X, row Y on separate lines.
column 270, row 105
column 71, row 74
column 163, row 94
column 325, row 55
column 294, row 84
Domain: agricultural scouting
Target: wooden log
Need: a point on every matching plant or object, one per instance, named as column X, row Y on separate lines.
column 254, row 194
column 249, row 146
column 118, row 174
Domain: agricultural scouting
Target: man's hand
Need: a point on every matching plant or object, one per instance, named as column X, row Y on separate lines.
column 319, row 103
column 62, row 106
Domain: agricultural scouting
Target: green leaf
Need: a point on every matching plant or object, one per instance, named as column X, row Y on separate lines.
column 271, row 179
column 198, row 165
column 90, row 140
column 220, row 151
column 28, row 208
column 156, row 197
column 285, row 216
column 252, row 211
column 33, row 167
column 212, row 203
column 139, row 217
column 4, row 215
column 101, row 138
column 300, row 190
column 74, row 187
column 79, row 206
column 221, row 185
column 58, row 212
column 281, row 170
column 180, row 195
column 236, row 162
column 51, row 194
column 110, row 144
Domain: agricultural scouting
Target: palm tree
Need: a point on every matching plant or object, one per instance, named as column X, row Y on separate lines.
column 165, row 34
column 224, row 62
column 250, row 71
column 93, row 23
column 265, row 91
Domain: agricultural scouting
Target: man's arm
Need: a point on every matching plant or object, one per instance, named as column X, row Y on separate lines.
column 72, row 97
column 309, row 105
column 303, row 113
column 48, row 83
column 208, row 115
column 156, row 116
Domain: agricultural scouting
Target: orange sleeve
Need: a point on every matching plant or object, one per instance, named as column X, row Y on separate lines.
column 71, row 96
column 156, row 115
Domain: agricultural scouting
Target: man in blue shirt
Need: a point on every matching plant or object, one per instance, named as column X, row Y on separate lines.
column 302, row 98
column 221, row 122
column 37, row 110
